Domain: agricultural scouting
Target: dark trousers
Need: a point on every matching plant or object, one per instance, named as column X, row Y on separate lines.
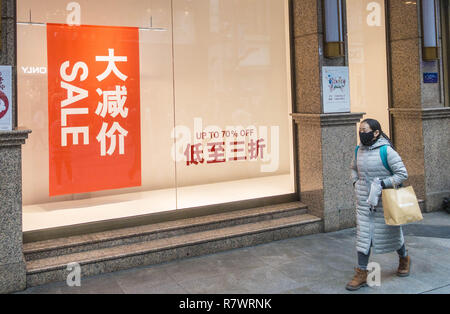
column 363, row 259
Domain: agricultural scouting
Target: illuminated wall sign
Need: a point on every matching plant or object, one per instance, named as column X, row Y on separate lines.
column 94, row 108
column 5, row 98
column 336, row 90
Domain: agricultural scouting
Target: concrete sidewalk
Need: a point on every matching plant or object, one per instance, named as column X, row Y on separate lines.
column 321, row 263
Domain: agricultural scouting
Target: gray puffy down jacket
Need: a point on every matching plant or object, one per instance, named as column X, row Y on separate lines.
column 371, row 226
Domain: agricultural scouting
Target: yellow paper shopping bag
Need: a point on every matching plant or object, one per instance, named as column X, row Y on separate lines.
column 401, row 206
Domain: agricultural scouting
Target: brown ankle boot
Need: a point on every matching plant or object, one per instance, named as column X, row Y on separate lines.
column 404, row 266
column 358, row 281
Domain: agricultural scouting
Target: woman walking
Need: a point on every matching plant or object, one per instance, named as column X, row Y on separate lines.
column 373, row 235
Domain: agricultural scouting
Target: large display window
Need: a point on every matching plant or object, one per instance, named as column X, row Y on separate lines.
column 151, row 106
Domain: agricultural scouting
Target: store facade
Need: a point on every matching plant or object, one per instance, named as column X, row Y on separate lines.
column 149, row 111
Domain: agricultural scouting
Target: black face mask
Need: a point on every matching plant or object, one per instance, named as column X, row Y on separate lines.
column 367, row 139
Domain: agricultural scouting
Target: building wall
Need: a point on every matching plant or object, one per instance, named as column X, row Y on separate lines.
column 418, row 109
column 325, row 143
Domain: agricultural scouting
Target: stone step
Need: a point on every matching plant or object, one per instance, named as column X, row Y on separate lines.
column 95, row 241
column 157, row 251
column 422, row 205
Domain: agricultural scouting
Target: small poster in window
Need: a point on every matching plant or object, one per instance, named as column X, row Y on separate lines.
column 5, row 98
column 336, row 90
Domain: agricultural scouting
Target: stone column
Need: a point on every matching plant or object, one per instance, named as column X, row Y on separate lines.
column 12, row 264
column 420, row 120
column 8, row 42
column 325, row 142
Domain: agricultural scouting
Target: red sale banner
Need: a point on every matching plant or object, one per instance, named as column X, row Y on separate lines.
column 93, row 108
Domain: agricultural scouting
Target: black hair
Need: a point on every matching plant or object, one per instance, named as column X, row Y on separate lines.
column 376, row 126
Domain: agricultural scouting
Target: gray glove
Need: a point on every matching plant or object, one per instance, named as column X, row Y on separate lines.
column 375, row 192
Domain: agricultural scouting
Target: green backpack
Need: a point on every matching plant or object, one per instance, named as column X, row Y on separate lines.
column 383, row 155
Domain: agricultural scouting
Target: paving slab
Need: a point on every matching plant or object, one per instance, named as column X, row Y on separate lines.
column 443, row 290
column 314, row 264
